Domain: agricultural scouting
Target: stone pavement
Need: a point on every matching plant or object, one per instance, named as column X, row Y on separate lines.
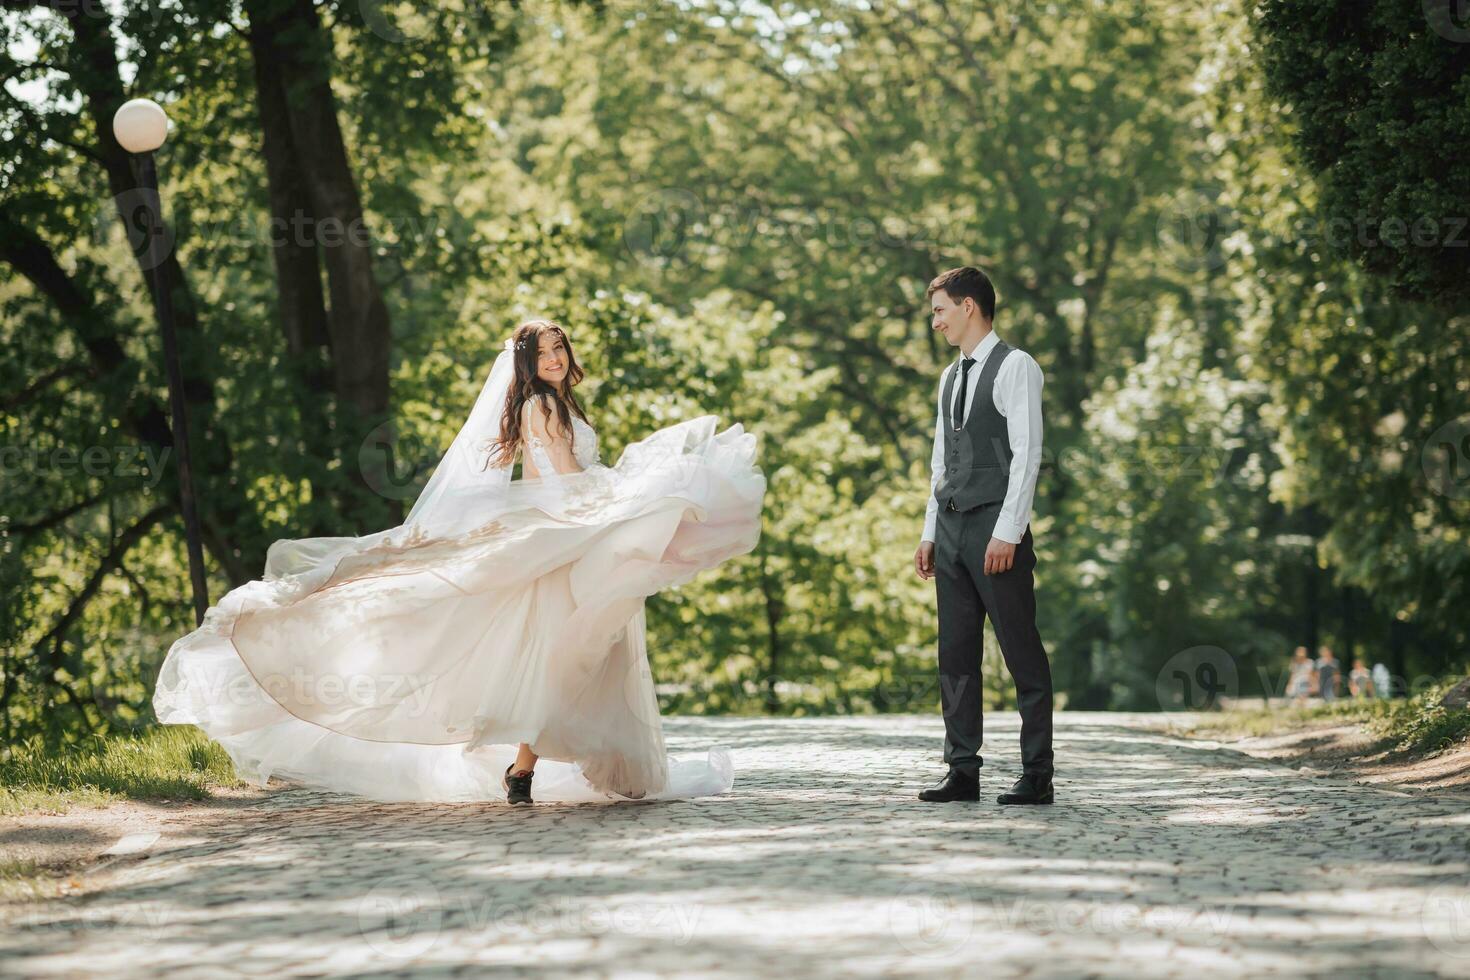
column 1161, row 857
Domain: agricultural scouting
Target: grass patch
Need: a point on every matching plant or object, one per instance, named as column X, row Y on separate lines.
column 1416, row 726
column 1274, row 720
column 25, row 880
column 1421, row 725
column 167, row 762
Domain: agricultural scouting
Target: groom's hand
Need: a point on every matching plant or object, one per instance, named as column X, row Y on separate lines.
column 924, row 560
column 999, row 556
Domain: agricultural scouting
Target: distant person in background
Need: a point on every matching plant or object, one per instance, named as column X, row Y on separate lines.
column 1326, row 674
column 1302, row 683
column 1360, row 682
column 1381, row 685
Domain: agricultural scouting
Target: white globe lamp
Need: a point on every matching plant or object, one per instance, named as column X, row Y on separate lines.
column 140, row 125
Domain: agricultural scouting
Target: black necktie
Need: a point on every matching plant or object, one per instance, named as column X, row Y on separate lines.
column 959, row 414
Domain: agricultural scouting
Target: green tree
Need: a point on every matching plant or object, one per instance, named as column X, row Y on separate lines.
column 1367, row 390
column 1378, row 95
column 1169, row 510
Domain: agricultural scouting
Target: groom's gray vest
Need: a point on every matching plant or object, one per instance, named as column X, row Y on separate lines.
column 977, row 456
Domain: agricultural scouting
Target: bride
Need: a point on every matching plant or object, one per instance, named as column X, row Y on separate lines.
column 498, row 634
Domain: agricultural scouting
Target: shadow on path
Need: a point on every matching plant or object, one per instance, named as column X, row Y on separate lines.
column 1161, row 857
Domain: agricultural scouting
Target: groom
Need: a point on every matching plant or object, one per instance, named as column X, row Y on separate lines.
column 977, row 542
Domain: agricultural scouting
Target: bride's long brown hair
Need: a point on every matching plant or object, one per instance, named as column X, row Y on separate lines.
column 527, row 384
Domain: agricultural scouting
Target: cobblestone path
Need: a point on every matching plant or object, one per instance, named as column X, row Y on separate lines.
column 1161, row 857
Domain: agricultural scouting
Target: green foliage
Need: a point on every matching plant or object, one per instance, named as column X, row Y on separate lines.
column 1170, row 485
column 1365, row 390
column 1415, row 726
column 1274, row 719
column 1379, row 95
column 738, row 217
column 166, row 763
column 1421, row 725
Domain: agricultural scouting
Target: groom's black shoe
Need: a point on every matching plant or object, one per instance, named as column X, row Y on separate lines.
column 518, row 787
column 1030, row 788
column 957, row 784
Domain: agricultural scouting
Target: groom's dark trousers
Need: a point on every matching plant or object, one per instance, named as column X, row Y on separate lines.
column 966, row 596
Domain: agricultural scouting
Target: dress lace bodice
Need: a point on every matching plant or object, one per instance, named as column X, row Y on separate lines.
column 584, row 449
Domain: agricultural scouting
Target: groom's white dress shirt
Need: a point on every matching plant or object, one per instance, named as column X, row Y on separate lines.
column 1017, row 396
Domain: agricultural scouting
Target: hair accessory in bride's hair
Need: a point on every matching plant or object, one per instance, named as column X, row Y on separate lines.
column 513, row 344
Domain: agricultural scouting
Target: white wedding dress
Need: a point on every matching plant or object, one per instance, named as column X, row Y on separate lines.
column 408, row 664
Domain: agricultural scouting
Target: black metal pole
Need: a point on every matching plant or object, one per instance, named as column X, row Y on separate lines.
column 164, row 306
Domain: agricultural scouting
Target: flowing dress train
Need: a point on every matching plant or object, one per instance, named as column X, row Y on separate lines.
column 408, row 664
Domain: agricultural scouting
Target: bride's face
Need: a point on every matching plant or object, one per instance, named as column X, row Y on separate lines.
column 551, row 363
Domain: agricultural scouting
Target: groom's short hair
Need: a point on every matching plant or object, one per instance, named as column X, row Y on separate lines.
column 966, row 281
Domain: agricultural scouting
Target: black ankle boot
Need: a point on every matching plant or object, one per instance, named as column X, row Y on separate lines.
column 518, row 787
column 1030, row 788
column 957, row 784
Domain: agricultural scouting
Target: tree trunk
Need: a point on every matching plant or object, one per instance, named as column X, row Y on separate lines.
column 301, row 303
column 297, row 51
column 775, row 608
column 228, row 518
column 118, row 385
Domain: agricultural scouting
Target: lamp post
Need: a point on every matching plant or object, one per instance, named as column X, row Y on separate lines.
column 141, row 127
